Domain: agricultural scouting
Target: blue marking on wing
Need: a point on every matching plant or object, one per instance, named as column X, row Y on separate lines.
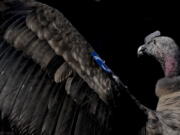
column 100, row 62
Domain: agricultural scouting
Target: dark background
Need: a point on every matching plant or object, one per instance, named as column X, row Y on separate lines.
column 116, row 29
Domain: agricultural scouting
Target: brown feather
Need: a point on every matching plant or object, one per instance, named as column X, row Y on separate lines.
column 62, row 73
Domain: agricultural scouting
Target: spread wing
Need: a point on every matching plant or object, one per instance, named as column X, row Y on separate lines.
column 51, row 79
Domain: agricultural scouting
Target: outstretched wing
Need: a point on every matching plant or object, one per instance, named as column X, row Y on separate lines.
column 51, row 79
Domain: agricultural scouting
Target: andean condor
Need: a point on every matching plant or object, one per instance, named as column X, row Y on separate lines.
column 53, row 82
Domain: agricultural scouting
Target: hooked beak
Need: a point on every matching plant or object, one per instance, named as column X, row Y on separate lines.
column 141, row 50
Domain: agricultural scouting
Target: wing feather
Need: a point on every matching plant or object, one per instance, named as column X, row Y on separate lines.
column 50, row 84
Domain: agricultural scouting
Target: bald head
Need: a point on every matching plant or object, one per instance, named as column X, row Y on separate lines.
column 164, row 49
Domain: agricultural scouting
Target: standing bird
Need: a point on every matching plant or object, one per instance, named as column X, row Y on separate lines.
column 53, row 82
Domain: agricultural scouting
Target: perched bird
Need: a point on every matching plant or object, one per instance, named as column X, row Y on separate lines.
column 53, row 82
column 166, row 118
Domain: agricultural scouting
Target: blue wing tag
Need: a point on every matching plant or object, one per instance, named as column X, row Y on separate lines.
column 100, row 62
